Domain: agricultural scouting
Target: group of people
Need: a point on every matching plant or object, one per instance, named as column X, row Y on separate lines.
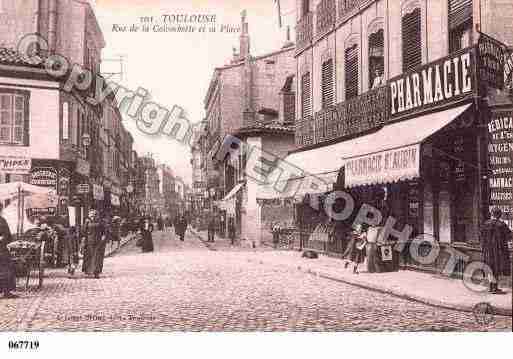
column 214, row 225
column 146, row 228
column 494, row 238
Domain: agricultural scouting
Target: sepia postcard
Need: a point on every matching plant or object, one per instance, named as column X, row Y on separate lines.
column 255, row 166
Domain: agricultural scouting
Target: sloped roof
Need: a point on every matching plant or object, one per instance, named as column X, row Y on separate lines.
column 12, row 57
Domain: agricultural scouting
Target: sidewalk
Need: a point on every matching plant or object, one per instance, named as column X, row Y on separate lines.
column 432, row 289
column 113, row 249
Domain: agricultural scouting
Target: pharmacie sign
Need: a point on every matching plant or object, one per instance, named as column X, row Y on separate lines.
column 500, row 163
column 383, row 167
column 449, row 79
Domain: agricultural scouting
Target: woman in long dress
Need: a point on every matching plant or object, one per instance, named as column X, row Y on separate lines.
column 7, row 268
column 147, row 237
column 94, row 236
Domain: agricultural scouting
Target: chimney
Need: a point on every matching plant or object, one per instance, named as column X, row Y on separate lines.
column 52, row 26
column 244, row 37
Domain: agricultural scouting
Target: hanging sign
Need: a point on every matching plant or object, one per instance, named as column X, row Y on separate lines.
column 15, row 165
column 500, row 163
column 44, row 177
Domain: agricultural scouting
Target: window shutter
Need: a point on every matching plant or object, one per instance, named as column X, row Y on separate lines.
column 411, row 37
column 327, row 83
column 65, row 121
column 26, row 121
column 376, row 55
column 351, row 72
column 460, row 12
column 306, row 108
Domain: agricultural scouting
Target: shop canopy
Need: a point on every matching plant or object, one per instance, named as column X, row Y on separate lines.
column 389, row 155
column 393, row 153
column 13, row 189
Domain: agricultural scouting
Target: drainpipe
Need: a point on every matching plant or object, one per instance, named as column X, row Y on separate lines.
column 52, row 25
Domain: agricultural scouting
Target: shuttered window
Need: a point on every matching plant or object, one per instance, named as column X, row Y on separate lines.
column 305, row 7
column 14, row 122
column 460, row 24
column 376, row 57
column 327, row 83
column 411, row 39
column 306, row 99
column 351, row 71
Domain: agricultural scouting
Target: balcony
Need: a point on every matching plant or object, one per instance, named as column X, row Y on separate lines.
column 346, row 8
column 326, row 16
column 349, row 118
column 304, row 31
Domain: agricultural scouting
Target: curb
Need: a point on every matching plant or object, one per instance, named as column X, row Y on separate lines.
column 393, row 292
column 122, row 244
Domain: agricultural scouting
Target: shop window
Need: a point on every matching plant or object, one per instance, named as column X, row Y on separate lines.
column 327, row 83
column 351, row 71
column 411, row 40
column 376, row 59
column 14, row 121
column 460, row 24
column 306, row 99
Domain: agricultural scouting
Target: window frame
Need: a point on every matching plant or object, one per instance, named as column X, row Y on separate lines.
column 356, row 78
column 404, row 13
column 13, row 94
column 460, row 29
column 304, row 113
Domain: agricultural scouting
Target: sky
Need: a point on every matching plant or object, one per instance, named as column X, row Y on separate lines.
column 176, row 68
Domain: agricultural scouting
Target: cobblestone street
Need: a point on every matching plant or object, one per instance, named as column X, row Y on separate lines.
column 184, row 286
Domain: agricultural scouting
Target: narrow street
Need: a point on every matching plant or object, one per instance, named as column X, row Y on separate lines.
column 184, row 286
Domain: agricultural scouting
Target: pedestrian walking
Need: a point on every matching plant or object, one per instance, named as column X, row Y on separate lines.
column 182, row 227
column 355, row 251
column 494, row 238
column 7, row 267
column 147, row 236
column 160, row 223
column 211, row 227
column 231, row 230
column 94, row 238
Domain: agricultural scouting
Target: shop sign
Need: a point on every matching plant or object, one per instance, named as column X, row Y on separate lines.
column 83, row 167
column 98, row 192
column 15, row 164
column 492, row 56
column 44, row 177
column 83, row 188
column 441, row 82
column 64, row 182
column 500, row 163
column 114, row 200
column 384, row 167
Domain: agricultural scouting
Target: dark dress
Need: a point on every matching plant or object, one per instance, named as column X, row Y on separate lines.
column 93, row 232
column 182, row 228
column 7, row 267
column 352, row 253
column 147, row 238
column 495, row 235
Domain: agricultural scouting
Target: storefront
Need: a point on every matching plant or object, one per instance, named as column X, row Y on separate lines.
column 436, row 158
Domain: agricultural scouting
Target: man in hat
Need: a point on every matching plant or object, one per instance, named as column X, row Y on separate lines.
column 495, row 235
column 7, row 268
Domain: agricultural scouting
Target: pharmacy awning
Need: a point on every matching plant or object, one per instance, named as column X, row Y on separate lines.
column 393, row 153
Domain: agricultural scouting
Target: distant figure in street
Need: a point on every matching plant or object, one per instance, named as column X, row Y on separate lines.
column 212, row 226
column 94, row 236
column 181, row 227
column 355, row 251
column 169, row 223
column 160, row 223
column 495, row 235
column 176, row 223
column 147, row 236
column 7, row 268
column 231, row 230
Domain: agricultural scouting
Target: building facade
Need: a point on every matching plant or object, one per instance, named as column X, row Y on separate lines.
column 397, row 103
column 252, row 98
